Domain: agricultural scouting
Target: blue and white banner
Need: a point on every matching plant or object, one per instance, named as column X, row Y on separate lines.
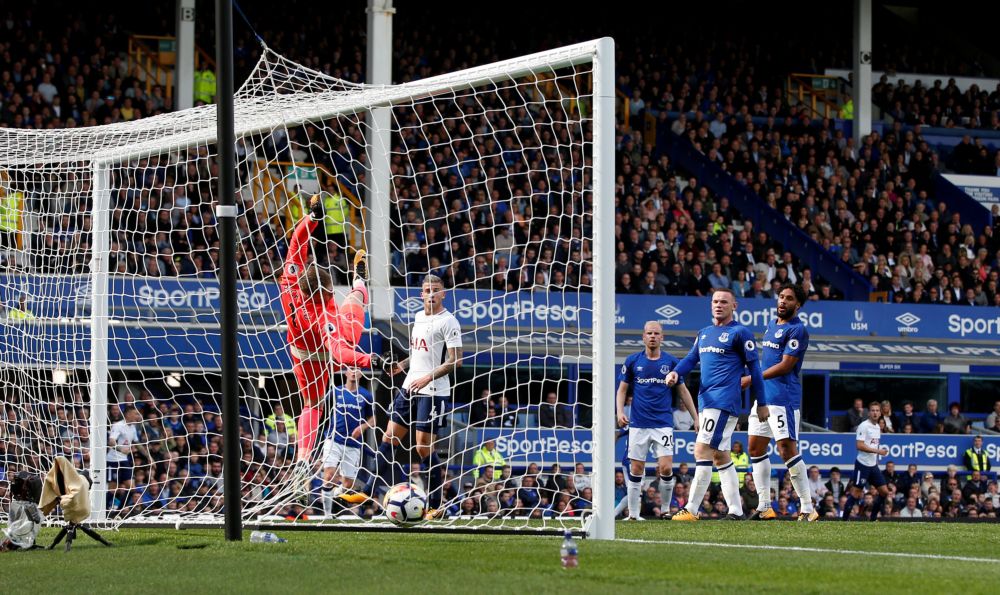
column 983, row 189
column 520, row 446
column 548, row 311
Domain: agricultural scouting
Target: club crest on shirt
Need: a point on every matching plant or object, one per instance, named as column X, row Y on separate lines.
column 778, row 333
column 664, row 369
column 723, row 337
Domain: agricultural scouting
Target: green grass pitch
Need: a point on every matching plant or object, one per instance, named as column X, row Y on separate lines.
column 830, row 558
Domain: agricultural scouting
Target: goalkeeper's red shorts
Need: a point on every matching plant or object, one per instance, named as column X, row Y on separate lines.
column 312, row 376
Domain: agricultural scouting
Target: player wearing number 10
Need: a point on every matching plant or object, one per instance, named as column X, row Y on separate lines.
column 724, row 350
column 651, row 426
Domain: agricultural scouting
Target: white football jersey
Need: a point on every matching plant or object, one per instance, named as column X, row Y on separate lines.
column 430, row 336
column 870, row 434
column 124, row 434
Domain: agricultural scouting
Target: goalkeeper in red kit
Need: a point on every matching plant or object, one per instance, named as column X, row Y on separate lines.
column 321, row 336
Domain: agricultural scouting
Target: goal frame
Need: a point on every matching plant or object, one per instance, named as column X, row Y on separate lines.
column 316, row 107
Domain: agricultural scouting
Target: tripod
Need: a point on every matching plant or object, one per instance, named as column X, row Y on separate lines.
column 69, row 532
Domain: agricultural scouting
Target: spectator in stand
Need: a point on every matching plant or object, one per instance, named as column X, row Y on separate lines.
column 887, row 417
column 856, row 414
column 552, row 414
column 974, row 488
column 931, row 421
column 956, row 423
column 908, row 416
column 906, row 480
column 835, row 486
column 817, row 490
column 991, row 419
column 910, row 511
column 975, row 457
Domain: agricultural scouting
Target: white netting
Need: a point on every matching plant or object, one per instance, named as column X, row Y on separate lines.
column 490, row 189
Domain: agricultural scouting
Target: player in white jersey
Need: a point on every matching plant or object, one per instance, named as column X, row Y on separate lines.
column 866, row 466
column 435, row 351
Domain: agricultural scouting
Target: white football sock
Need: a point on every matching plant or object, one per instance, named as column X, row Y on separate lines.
column 620, row 507
column 699, row 484
column 797, row 469
column 634, row 497
column 667, row 491
column 327, row 494
column 762, row 479
column 731, row 488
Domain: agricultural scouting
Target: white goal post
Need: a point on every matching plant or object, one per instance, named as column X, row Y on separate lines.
column 501, row 180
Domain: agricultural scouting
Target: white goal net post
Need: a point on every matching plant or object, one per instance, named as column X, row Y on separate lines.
column 501, row 181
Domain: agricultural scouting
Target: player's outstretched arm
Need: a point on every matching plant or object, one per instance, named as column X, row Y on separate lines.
column 684, row 367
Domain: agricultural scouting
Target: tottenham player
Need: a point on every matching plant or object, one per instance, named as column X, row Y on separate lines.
column 866, row 468
column 435, row 351
column 351, row 414
column 724, row 350
column 319, row 331
column 782, row 351
column 651, row 419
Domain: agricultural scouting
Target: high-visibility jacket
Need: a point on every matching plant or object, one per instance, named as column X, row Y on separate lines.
column 204, row 86
column 976, row 462
column 847, row 111
column 741, row 462
column 484, row 458
column 271, row 423
column 10, row 211
column 335, row 207
column 296, row 207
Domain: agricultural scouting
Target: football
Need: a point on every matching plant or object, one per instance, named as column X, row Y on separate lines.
column 405, row 504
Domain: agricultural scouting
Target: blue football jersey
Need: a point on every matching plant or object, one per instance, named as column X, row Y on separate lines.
column 780, row 340
column 349, row 410
column 724, row 352
column 652, row 399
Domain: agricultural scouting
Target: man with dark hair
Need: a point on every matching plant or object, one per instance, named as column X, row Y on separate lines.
column 782, row 352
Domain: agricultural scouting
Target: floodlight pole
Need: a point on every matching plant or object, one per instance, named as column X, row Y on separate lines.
column 226, row 217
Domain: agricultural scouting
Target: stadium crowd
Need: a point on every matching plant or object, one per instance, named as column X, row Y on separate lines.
column 498, row 223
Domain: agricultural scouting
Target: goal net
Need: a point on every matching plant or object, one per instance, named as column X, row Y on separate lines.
column 110, row 299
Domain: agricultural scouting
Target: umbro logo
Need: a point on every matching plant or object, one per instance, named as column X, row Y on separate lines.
column 907, row 319
column 668, row 311
column 412, row 304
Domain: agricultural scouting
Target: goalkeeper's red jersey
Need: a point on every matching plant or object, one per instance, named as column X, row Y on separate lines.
column 314, row 331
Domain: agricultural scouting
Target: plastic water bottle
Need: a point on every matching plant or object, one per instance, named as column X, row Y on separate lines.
column 568, row 551
column 268, row 537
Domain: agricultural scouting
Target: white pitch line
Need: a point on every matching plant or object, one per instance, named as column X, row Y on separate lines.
column 789, row 548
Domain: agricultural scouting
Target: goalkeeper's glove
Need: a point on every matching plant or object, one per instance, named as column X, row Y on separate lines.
column 380, row 362
column 316, row 208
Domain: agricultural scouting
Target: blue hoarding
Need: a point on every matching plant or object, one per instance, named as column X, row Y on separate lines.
column 520, row 446
column 496, row 310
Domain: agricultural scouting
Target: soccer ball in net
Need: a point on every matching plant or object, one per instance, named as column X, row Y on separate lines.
column 405, row 504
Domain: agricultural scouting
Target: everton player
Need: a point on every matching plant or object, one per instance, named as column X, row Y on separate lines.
column 782, row 351
column 724, row 350
column 650, row 420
